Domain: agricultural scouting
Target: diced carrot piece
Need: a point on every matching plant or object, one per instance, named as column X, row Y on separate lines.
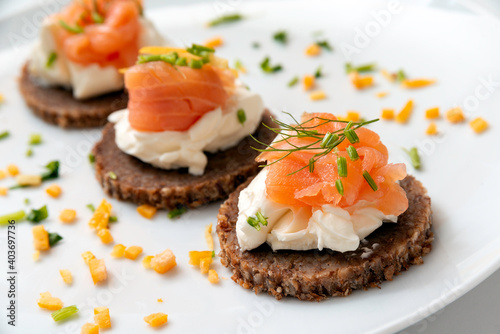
column 208, row 237
column 98, row 270
column 361, row 82
column 455, row 115
column 101, row 317
column 118, row 251
column 317, row 95
column 48, row 302
column 432, row 113
column 13, row 170
column 105, row 236
column 381, row 94
column 53, row 190
column 387, row 114
column 89, row 328
column 196, row 256
column 214, row 42
column 132, row 252
column 146, row 262
column 478, row 125
column 40, row 238
column 147, row 211
column 417, row 83
column 88, row 256
column 213, row 277
column 431, row 129
column 3, row 191
column 36, row 255
column 3, row 175
column 313, row 50
column 156, row 319
column 405, row 113
column 28, row 180
column 66, row 276
column 100, row 218
column 205, row 264
column 67, row 216
column 308, row 82
column 164, row 261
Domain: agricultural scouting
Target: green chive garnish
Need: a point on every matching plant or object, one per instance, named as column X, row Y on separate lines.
column 16, row 216
column 213, row 253
column 113, row 219
column 97, row 18
column 91, row 158
column 351, row 136
column 29, row 152
column 170, row 58
column 414, row 156
column 199, row 50
column 147, row 58
column 400, row 75
column 77, row 29
column 325, row 45
column 91, row 207
column 112, row 175
column 281, row 37
column 54, row 238
column 353, row 154
column 4, row 134
column 339, row 186
column 36, row 216
column 52, row 171
column 318, row 73
column 362, row 68
column 328, row 140
column 225, row 19
column 254, row 223
column 177, row 212
column 261, row 218
column 242, row 117
column 35, row 139
column 342, row 166
column 370, row 180
column 196, row 63
column 266, row 67
column 27, row 201
column 255, row 45
column 182, row 61
column 64, row 313
column 50, row 61
column 293, row 82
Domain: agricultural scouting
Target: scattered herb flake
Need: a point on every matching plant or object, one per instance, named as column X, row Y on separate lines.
column 325, row 45
column 177, row 212
column 36, row 216
column 256, row 45
column 113, row 219
column 64, row 313
column 400, row 75
column 52, row 171
column 27, row 201
column 414, row 156
column 29, row 152
column 213, row 253
column 362, row 68
column 77, row 29
column 340, row 187
column 91, row 158
column 51, row 60
column 4, row 134
column 281, row 37
column 91, row 207
column 256, row 222
column 97, row 18
column 35, row 139
column 319, row 72
column 16, row 216
column 293, row 82
column 54, row 238
column 242, row 117
column 266, row 67
column 225, row 19
column 112, row 175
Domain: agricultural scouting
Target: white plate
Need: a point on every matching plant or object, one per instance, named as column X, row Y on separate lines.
column 460, row 172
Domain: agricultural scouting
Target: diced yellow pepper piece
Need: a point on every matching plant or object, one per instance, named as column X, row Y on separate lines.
column 308, row 81
column 156, row 319
column 432, row 113
column 53, row 190
column 352, row 116
column 98, row 270
column 205, row 264
column 40, row 238
column 48, row 302
column 3, row 191
column 478, row 125
column 214, row 42
column 118, row 251
column 89, row 328
column 417, row 83
column 432, row 129
column 105, row 236
column 313, row 50
column 196, row 256
column 455, row 115
column 13, row 170
column 88, row 256
column 3, row 174
column 147, row 211
column 163, row 262
column 213, row 277
column 159, row 300
column 405, row 113
column 132, row 252
column 101, row 317
column 28, row 180
column 66, row 276
column 146, row 262
column 317, row 95
column 67, row 216
column 381, row 94
column 361, row 82
column 36, row 255
column 387, row 114
column 208, row 237
column 100, row 218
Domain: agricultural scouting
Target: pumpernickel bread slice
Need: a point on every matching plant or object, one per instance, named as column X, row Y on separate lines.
column 316, row 275
column 142, row 183
column 57, row 105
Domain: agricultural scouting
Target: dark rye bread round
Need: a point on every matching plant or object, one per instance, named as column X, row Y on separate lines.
column 142, row 183
column 57, row 105
column 316, row 275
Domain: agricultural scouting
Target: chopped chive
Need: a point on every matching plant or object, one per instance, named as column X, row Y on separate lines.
column 91, row 207
column 311, row 165
column 35, row 139
column 370, row 180
column 4, row 134
column 239, row 65
column 339, row 186
column 77, row 29
column 91, row 158
column 293, row 82
column 177, row 212
column 213, row 253
column 225, row 19
column 64, row 313
column 97, row 18
column 113, row 219
column 199, row 50
column 342, row 166
column 182, row 61
column 353, row 154
column 195, row 63
column 254, row 223
column 242, row 117
column 351, row 136
column 16, row 216
column 325, row 45
column 50, row 61
column 414, row 156
column 54, row 238
column 52, row 171
column 29, row 152
column 255, row 45
column 170, row 58
column 266, row 67
column 348, row 67
column 147, row 58
column 281, row 37
column 362, row 68
column 36, row 216
column 261, row 218
column 112, row 175
column 318, row 73
column 328, row 140
column 400, row 75
column 27, row 201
